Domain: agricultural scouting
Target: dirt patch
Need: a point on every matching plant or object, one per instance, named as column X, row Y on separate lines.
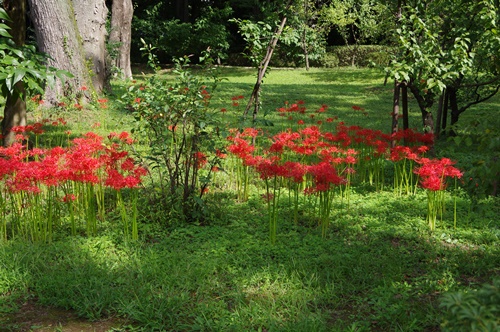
column 34, row 317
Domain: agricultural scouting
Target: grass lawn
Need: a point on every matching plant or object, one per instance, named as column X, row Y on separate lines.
column 379, row 267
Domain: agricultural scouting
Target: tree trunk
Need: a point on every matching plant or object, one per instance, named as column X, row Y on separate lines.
column 395, row 111
column 15, row 106
column 182, row 10
column 121, row 35
column 439, row 115
column 304, row 35
column 452, row 96
column 57, row 34
column 254, row 97
column 91, row 21
column 404, row 102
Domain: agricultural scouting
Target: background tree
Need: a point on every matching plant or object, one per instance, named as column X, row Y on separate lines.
column 454, row 53
column 91, row 18
column 58, row 35
column 358, row 21
column 15, row 105
column 120, row 36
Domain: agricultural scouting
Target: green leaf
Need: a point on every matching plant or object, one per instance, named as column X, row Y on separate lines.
column 19, row 73
column 4, row 15
column 4, row 33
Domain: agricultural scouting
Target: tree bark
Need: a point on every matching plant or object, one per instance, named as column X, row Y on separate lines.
column 91, row 21
column 452, row 95
column 57, row 34
column 254, row 97
column 122, row 12
column 15, row 106
column 395, row 111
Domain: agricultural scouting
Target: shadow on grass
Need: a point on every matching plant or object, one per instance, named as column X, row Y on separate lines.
column 378, row 268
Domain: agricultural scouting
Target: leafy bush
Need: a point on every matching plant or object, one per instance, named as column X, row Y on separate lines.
column 475, row 311
column 23, row 64
column 175, row 122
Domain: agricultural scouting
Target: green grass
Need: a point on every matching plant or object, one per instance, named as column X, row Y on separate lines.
column 378, row 269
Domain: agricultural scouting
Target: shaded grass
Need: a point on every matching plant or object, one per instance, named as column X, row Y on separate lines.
column 379, row 269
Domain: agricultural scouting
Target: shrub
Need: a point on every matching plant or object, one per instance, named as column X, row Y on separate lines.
column 474, row 311
column 174, row 120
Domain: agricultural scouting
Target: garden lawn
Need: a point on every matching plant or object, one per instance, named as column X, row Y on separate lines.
column 379, row 267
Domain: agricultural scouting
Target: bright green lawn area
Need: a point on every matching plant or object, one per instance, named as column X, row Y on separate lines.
column 378, row 269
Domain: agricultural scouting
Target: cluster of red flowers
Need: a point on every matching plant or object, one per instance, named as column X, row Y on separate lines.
column 235, row 101
column 87, row 160
column 433, row 173
column 327, row 156
column 322, row 158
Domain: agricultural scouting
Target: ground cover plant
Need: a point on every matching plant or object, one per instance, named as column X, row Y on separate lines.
column 367, row 253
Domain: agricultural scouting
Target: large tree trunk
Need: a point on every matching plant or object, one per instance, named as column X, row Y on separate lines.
column 122, row 12
column 91, row 20
column 57, row 34
column 15, row 106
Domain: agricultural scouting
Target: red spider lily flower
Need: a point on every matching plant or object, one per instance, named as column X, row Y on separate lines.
column 18, row 129
column 249, row 132
column 236, row 104
column 125, row 137
column 219, row 154
column 83, row 88
column 269, row 168
column 300, row 122
column 350, row 160
column 200, row 159
column 240, row 97
column 37, row 128
column 128, row 165
column 223, row 110
column 78, row 106
column 61, row 104
column 277, row 147
column 69, row 198
column 433, row 172
column 325, row 176
column 433, row 183
column 399, row 153
column 295, row 171
column 329, row 120
column 36, row 98
column 240, row 148
column 357, row 108
column 118, row 181
column 137, row 100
